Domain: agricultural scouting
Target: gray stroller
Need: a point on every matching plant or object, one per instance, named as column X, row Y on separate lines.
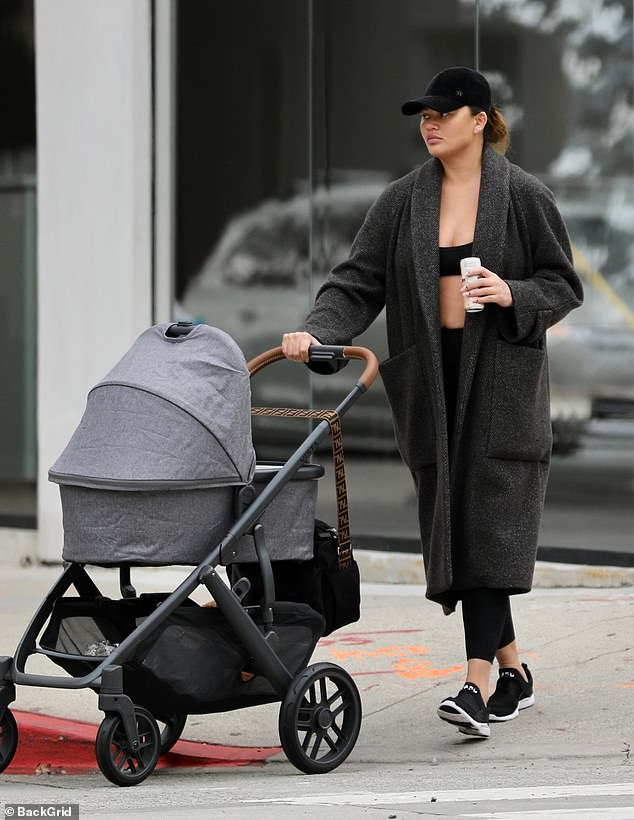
column 162, row 471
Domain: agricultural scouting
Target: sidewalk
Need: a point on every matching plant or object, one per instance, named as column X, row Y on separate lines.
column 404, row 656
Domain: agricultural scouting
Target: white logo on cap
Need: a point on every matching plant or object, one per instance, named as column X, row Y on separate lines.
column 459, row 94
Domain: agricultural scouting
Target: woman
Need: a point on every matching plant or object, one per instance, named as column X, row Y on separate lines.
column 468, row 391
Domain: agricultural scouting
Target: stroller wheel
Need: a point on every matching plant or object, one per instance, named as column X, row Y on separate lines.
column 8, row 737
column 171, row 732
column 320, row 718
column 120, row 763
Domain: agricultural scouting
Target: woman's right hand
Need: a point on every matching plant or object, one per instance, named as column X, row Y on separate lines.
column 295, row 345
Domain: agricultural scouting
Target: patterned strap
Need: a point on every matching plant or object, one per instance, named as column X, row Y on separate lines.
column 344, row 547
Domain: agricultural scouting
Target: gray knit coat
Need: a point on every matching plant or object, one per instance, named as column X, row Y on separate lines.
column 480, row 504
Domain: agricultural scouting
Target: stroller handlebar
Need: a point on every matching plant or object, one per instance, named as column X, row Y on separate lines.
column 323, row 353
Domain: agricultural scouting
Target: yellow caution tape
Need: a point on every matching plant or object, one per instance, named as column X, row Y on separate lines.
column 587, row 271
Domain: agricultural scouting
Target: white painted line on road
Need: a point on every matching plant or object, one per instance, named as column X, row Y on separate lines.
column 456, row 795
column 611, row 813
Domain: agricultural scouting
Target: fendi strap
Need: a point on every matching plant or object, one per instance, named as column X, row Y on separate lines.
column 344, row 547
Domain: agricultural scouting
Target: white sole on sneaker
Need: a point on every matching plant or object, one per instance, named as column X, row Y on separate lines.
column 478, row 730
column 454, row 714
column 523, row 704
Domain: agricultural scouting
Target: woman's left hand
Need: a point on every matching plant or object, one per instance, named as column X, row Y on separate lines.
column 489, row 288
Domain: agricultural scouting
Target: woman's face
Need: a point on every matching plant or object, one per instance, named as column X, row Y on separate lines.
column 449, row 135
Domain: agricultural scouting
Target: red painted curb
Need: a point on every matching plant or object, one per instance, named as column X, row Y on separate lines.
column 50, row 745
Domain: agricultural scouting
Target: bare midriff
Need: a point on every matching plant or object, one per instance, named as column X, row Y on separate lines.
column 458, row 211
column 451, row 302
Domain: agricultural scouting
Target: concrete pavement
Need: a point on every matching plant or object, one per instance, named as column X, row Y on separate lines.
column 405, row 656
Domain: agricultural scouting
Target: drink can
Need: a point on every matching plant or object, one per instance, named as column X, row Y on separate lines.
column 466, row 266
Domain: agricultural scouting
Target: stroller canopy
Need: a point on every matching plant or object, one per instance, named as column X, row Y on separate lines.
column 174, row 413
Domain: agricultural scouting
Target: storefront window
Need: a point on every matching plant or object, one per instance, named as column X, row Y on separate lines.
column 289, row 126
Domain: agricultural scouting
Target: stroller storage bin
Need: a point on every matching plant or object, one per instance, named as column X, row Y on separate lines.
column 288, row 521
column 193, row 663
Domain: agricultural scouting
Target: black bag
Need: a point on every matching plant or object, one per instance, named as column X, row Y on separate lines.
column 338, row 588
column 192, row 663
column 332, row 591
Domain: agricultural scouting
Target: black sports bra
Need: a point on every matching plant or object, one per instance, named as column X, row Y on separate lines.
column 450, row 258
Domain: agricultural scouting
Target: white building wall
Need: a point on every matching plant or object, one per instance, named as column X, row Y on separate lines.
column 94, row 157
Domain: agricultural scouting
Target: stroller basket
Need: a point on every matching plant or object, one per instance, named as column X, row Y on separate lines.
column 193, row 663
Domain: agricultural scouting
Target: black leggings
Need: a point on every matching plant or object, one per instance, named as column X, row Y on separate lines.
column 488, row 623
column 486, row 613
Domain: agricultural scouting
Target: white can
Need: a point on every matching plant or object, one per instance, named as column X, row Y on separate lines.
column 466, row 266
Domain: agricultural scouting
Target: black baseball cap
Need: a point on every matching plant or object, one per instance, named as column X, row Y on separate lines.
column 451, row 89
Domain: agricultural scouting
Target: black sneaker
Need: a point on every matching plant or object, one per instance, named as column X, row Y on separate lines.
column 466, row 711
column 512, row 693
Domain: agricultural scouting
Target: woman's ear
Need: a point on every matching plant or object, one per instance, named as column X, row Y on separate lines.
column 480, row 121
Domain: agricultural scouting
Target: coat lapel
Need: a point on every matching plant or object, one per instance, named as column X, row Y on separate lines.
column 425, row 218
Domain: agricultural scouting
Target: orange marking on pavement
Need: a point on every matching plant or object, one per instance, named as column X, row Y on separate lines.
column 406, row 661
column 409, row 669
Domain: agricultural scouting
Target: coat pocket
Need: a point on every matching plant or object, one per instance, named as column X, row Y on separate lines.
column 520, row 426
column 411, row 405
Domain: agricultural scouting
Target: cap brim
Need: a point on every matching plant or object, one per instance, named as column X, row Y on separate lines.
column 441, row 104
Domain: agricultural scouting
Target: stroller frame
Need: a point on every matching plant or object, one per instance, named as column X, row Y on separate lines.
column 135, row 723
